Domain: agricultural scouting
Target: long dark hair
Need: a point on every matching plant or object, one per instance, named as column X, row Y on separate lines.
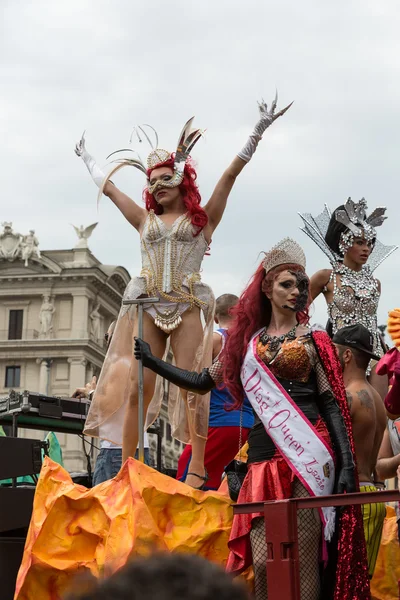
column 335, row 229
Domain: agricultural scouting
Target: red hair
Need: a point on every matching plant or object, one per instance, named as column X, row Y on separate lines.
column 251, row 313
column 190, row 194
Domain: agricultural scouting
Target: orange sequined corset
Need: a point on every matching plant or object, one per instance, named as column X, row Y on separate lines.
column 294, row 370
column 291, row 362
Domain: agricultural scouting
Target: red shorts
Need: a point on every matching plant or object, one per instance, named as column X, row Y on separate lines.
column 221, row 447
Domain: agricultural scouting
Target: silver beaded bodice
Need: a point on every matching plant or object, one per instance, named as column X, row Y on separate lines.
column 355, row 300
column 171, row 262
column 171, row 257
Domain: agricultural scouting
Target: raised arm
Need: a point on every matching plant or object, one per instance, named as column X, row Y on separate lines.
column 318, row 281
column 132, row 212
column 215, row 207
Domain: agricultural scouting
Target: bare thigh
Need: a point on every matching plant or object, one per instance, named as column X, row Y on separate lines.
column 157, row 340
column 186, row 338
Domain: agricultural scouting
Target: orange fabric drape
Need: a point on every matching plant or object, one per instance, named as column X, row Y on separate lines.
column 75, row 530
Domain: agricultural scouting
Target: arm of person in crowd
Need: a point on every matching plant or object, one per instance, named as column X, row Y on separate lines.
column 132, row 212
column 200, row 383
column 387, row 463
column 392, row 399
column 215, row 207
column 87, row 391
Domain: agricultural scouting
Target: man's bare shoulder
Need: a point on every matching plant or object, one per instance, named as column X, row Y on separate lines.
column 361, row 395
column 217, row 344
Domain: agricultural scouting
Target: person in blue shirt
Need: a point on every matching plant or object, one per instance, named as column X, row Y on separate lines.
column 224, row 425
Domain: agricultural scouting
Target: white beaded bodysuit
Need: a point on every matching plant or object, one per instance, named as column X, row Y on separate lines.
column 171, row 262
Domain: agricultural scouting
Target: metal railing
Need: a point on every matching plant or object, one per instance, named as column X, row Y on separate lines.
column 281, row 534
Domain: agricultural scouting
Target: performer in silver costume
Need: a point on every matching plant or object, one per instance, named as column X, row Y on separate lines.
column 175, row 232
column 352, row 293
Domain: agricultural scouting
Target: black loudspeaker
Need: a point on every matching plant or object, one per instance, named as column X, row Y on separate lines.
column 20, row 456
column 11, row 551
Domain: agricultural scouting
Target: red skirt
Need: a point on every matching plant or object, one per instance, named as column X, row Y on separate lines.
column 221, row 447
column 268, row 480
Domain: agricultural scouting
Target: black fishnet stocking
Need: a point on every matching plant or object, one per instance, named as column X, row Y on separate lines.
column 309, row 533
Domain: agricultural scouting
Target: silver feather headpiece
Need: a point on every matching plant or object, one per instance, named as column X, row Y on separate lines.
column 187, row 139
column 287, row 251
column 354, row 218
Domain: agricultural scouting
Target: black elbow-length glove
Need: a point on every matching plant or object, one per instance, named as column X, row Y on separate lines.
column 187, row 380
column 330, row 411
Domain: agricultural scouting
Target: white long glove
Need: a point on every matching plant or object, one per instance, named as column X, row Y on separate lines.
column 267, row 117
column 93, row 168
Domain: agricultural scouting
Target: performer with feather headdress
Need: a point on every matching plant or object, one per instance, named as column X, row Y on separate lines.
column 348, row 238
column 175, row 232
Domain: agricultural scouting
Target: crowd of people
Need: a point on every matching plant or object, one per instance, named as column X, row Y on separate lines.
column 302, row 406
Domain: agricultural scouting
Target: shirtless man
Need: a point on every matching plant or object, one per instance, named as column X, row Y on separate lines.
column 354, row 345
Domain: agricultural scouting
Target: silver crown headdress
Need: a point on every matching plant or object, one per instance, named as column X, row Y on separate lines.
column 287, row 251
column 358, row 224
column 187, row 139
column 354, row 218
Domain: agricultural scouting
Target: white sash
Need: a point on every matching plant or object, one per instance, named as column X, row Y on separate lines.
column 300, row 444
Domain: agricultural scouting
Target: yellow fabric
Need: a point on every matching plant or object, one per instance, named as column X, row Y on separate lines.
column 384, row 585
column 393, row 326
column 373, row 518
column 75, row 530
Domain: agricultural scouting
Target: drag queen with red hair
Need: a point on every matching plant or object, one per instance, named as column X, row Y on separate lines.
column 175, row 232
column 301, row 443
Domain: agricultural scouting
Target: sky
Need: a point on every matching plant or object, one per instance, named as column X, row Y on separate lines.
column 108, row 66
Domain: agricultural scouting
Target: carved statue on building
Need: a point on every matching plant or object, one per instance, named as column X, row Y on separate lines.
column 95, row 325
column 10, row 242
column 13, row 245
column 46, row 316
column 83, row 234
column 30, row 248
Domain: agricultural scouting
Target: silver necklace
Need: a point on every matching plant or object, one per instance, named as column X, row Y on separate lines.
column 274, row 341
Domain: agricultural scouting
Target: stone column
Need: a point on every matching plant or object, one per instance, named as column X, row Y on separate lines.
column 44, row 375
column 80, row 316
column 89, row 371
column 77, row 373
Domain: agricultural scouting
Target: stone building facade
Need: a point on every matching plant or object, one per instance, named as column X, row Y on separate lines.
column 55, row 307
